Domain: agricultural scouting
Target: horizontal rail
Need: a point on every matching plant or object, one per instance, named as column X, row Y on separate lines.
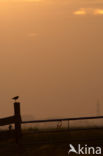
column 7, row 121
column 62, row 119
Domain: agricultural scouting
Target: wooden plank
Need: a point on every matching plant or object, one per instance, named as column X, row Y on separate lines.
column 62, row 119
column 7, row 121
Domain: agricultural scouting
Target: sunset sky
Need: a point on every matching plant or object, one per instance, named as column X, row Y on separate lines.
column 51, row 55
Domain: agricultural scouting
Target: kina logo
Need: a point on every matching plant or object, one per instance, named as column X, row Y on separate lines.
column 82, row 150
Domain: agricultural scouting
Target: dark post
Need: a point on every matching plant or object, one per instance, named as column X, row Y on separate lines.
column 17, row 121
column 68, row 124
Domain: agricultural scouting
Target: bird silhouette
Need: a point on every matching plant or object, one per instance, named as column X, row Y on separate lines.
column 15, row 98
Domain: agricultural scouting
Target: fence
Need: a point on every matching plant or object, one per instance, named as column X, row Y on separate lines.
column 16, row 119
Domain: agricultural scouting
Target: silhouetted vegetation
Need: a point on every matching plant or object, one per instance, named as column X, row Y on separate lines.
column 47, row 142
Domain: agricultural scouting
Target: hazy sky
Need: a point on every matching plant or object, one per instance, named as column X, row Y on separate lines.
column 51, row 55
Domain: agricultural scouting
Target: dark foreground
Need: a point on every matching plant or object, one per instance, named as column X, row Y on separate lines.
column 49, row 143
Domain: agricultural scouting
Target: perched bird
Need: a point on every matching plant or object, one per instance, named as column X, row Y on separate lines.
column 15, row 98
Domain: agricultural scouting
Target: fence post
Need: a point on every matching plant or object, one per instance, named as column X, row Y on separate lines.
column 17, row 121
column 68, row 124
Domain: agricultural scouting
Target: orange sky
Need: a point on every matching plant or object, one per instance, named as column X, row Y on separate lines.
column 51, row 54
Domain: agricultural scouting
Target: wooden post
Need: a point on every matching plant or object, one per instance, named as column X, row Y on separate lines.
column 68, row 124
column 17, row 121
